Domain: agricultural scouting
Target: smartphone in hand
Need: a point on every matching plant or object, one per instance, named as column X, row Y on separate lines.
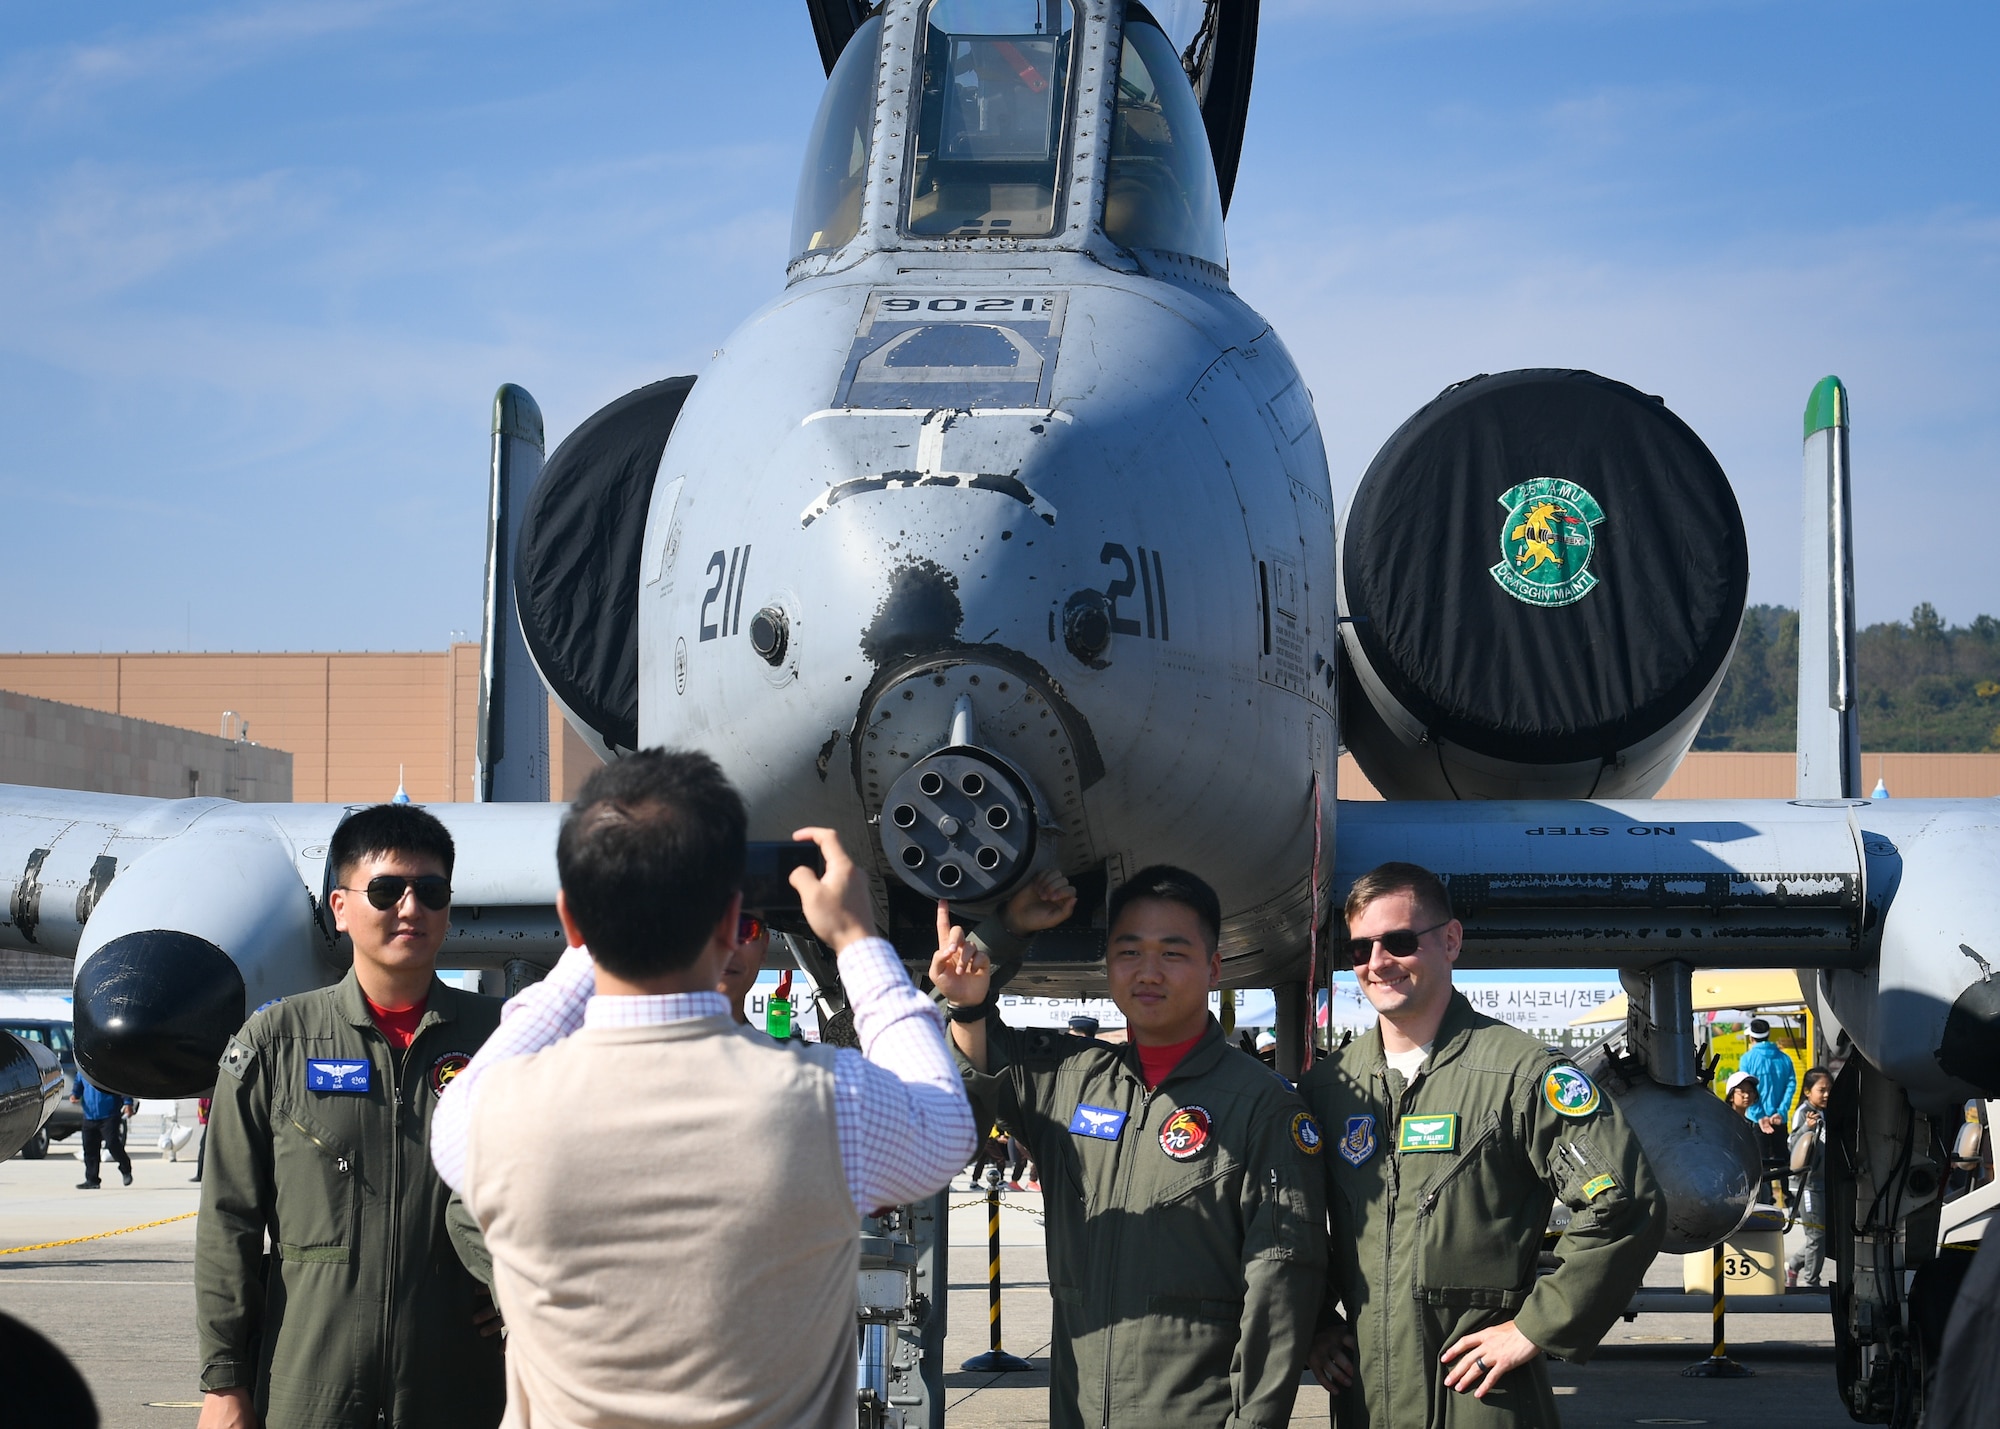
column 767, row 888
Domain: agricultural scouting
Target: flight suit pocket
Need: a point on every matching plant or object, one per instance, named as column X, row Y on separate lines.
column 1289, row 1226
column 315, row 1176
column 1465, row 1257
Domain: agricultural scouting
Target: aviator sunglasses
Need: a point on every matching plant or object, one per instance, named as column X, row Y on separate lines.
column 749, row 928
column 433, row 890
column 1397, row 943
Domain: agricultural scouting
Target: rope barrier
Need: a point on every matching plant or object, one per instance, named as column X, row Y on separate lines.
column 79, row 1240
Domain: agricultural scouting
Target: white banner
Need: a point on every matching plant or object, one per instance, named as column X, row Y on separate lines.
column 1531, row 1006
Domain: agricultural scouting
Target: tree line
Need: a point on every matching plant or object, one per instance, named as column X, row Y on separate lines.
column 1925, row 686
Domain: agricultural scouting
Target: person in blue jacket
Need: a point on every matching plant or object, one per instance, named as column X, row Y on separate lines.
column 1777, row 1082
column 104, row 1117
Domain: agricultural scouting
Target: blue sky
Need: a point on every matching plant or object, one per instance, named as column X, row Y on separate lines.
column 262, row 265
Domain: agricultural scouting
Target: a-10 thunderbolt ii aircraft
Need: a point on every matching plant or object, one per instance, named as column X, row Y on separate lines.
column 1003, row 539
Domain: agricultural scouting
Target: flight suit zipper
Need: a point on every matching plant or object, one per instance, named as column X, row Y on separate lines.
column 1119, row 1199
column 1429, row 1203
column 340, row 1163
column 388, row 1342
column 1384, row 1330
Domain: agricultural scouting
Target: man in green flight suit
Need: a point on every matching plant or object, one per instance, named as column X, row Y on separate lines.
column 1451, row 1132
column 362, row 1317
column 1181, row 1179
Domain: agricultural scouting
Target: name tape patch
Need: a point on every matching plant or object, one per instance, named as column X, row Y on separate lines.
column 1597, row 1186
column 330, row 1076
column 1428, row 1133
column 1099, row 1122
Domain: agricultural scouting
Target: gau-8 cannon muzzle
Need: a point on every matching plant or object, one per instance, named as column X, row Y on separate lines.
column 959, row 824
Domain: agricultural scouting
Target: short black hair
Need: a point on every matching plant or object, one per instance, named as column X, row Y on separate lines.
column 1170, row 885
column 385, row 829
column 1814, row 1076
column 649, row 857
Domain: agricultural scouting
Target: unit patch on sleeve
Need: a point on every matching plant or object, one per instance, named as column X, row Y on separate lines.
column 1569, row 1092
column 1185, row 1133
column 1598, row 1185
column 1428, row 1133
column 237, row 1057
column 445, row 1068
column 1305, row 1133
column 1358, row 1144
column 329, row 1076
column 1100, row 1122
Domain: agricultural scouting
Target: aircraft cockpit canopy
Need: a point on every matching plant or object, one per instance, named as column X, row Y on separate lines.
column 990, row 143
column 986, row 161
column 1160, row 190
column 828, row 210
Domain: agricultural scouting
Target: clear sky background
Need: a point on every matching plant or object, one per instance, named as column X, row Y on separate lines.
column 262, row 265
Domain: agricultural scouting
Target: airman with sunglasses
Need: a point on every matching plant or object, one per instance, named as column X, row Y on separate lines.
column 362, row 1313
column 1451, row 1132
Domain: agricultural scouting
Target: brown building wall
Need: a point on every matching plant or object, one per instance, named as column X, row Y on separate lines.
column 63, row 746
column 349, row 719
column 1729, row 775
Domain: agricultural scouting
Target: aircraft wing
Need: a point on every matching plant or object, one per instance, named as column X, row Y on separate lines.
column 184, row 915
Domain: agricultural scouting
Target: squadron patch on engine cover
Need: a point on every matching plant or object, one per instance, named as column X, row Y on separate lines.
column 1546, row 542
column 1569, row 1091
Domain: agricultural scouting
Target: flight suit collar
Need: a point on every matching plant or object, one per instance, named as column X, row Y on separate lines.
column 1454, row 1029
column 1201, row 1058
column 439, row 1004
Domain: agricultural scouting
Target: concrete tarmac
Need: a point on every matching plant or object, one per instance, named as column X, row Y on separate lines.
column 123, row 1307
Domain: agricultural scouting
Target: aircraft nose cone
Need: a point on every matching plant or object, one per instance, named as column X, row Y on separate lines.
column 154, row 1011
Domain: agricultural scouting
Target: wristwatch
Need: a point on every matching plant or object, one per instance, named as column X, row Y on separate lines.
column 971, row 1011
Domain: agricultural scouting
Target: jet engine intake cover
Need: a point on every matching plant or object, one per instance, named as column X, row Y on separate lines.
column 1544, row 566
column 576, row 571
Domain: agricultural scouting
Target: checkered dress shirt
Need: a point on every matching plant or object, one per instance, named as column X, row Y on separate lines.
column 903, row 1122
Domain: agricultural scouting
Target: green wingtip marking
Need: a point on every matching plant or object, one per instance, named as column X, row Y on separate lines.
column 1827, row 407
column 516, row 415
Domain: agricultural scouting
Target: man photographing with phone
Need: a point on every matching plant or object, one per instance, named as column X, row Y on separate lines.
column 649, row 1252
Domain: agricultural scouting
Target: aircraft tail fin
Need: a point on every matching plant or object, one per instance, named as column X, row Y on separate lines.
column 1829, row 756
column 513, row 704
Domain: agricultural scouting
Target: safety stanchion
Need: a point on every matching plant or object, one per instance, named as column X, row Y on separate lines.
column 1718, row 1365
column 995, row 1360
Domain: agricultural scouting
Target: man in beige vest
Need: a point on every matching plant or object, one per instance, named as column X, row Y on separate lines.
column 684, row 1249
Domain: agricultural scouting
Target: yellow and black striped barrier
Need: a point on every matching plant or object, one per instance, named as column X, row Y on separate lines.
column 995, row 1360
column 1718, row 1365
